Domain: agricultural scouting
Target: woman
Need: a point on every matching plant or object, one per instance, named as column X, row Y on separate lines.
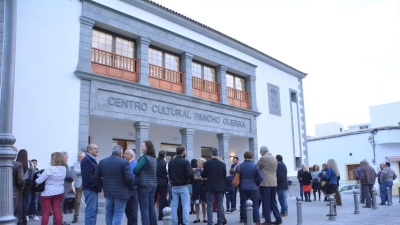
column 53, row 194
column 27, row 167
column 306, row 183
column 331, row 175
column 192, row 185
column 199, row 192
column 250, row 179
column 324, row 184
column 316, row 184
column 146, row 178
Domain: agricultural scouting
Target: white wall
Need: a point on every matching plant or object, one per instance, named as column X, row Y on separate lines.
column 46, row 95
column 385, row 115
column 328, row 129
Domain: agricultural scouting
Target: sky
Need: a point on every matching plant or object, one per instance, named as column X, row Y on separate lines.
column 350, row 49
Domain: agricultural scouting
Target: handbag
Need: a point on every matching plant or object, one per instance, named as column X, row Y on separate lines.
column 236, row 178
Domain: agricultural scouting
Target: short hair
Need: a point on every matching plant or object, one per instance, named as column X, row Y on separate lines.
column 33, row 160
column 279, row 158
column 264, row 149
column 387, row 164
column 57, row 159
column 214, row 152
column 81, row 152
column 203, row 160
column 232, row 171
column 248, row 155
column 117, row 150
column 235, row 157
column 161, row 154
column 131, row 151
column 64, row 154
column 179, row 150
column 193, row 163
column 305, row 168
column 365, row 162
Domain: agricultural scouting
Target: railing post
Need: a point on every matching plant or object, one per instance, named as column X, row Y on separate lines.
column 249, row 210
column 374, row 206
column 356, row 207
column 332, row 214
column 299, row 211
column 388, row 194
column 167, row 219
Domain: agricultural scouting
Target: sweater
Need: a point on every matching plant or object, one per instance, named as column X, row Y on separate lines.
column 180, row 171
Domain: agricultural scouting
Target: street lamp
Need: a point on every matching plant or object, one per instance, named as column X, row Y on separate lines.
column 371, row 140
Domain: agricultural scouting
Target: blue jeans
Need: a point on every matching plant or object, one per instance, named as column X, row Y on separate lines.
column 268, row 196
column 253, row 196
column 210, row 200
column 32, row 200
column 382, row 189
column 282, row 201
column 115, row 208
column 146, row 204
column 230, row 202
column 183, row 193
column 92, row 202
column 301, row 191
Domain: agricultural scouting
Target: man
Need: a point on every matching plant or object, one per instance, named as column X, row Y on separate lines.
column 367, row 179
column 180, row 173
column 215, row 172
column 235, row 164
column 162, row 183
column 268, row 167
column 386, row 180
column 281, row 177
column 89, row 186
column 115, row 176
column 358, row 173
column 32, row 201
column 131, row 210
column 78, row 185
column 299, row 175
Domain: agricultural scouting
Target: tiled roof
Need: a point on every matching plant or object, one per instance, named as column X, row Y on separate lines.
column 218, row 32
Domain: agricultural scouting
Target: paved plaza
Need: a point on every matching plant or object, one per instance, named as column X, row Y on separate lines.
column 314, row 213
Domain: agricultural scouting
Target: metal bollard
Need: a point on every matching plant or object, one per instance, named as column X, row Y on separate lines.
column 332, row 215
column 388, row 198
column 398, row 189
column 299, row 211
column 356, row 208
column 167, row 219
column 374, row 206
column 249, row 210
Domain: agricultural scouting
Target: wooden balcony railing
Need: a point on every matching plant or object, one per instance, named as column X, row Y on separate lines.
column 113, row 65
column 205, row 89
column 165, row 78
column 237, row 97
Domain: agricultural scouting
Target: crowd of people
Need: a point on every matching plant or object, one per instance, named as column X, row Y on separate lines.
column 152, row 183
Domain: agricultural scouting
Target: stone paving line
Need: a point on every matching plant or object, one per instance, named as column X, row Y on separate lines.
column 314, row 213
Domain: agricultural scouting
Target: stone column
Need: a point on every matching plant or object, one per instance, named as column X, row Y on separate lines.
column 85, row 45
column 221, row 79
column 187, row 141
column 141, row 134
column 251, row 88
column 84, row 115
column 223, row 147
column 7, row 140
column 143, row 57
column 253, row 148
column 186, row 67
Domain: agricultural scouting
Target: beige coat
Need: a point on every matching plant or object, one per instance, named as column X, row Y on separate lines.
column 268, row 166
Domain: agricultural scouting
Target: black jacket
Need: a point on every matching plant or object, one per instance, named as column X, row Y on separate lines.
column 180, row 171
column 281, row 176
column 114, row 175
column 162, row 176
column 215, row 172
column 88, row 169
column 307, row 179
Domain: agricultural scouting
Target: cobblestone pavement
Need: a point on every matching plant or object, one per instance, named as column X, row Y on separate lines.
column 314, row 213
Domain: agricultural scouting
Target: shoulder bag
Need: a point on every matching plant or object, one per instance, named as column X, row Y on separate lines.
column 236, row 178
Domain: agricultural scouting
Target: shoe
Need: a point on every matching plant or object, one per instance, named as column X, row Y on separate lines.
column 228, row 211
column 196, row 221
column 284, row 214
column 214, row 210
column 234, row 209
column 277, row 222
column 339, row 204
column 365, row 206
column 265, row 223
column 75, row 220
column 331, row 214
column 204, row 221
column 382, row 204
column 27, row 218
column 241, row 221
column 65, row 223
column 35, row 217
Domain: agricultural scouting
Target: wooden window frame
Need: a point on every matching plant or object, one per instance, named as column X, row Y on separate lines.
column 202, row 70
column 113, row 43
column 234, row 81
column 163, row 51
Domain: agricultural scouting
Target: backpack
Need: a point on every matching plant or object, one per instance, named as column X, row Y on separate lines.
column 29, row 178
column 37, row 187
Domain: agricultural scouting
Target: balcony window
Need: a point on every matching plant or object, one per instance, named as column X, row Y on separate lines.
column 203, row 82
column 236, row 91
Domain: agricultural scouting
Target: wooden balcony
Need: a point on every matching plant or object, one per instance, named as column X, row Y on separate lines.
column 166, row 79
column 205, row 89
column 238, row 98
column 113, row 65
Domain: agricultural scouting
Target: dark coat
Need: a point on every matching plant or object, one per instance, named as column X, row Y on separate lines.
column 281, row 176
column 162, row 176
column 215, row 172
column 180, row 171
column 18, row 178
column 88, row 169
column 250, row 176
column 306, row 178
column 114, row 175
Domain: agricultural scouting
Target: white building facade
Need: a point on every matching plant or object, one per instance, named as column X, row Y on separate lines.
column 377, row 141
column 122, row 72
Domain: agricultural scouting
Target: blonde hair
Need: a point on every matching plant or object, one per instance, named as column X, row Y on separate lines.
column 305, row 168
column 332, row 163
column 57, row 159
column 203, row 160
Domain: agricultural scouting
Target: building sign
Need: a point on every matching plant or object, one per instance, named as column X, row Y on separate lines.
column 122, row 103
